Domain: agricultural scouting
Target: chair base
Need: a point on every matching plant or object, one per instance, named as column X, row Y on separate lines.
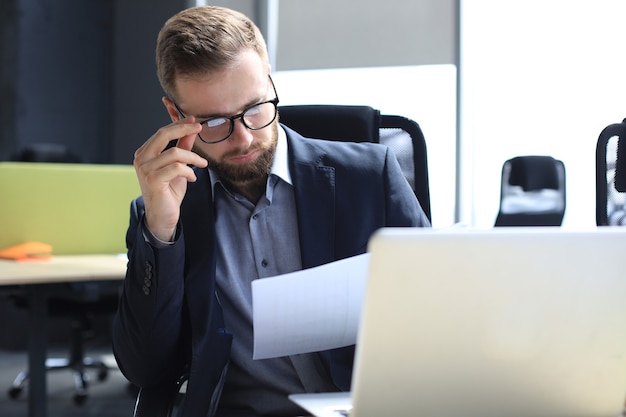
column 77, row 362
column 81, row 378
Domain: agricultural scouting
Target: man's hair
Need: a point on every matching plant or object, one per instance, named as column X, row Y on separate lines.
column 202, row 39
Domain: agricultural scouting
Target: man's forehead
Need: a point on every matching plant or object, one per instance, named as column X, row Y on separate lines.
column 243, row 83
column 202, row 97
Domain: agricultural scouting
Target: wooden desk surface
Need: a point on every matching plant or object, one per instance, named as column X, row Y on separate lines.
column 64, row 268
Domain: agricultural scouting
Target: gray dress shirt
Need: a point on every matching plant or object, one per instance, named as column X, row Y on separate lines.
column 254, row 242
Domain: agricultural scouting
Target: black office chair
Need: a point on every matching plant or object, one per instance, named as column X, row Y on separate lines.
column 331, row 122
column 46, row 152
column 81, row 303
column 532, row 192
column 366, row 124
column 611, row 176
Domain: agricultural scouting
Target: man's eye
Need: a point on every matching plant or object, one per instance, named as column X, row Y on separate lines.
column 217, row 122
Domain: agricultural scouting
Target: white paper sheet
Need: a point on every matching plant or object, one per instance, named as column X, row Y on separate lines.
column 310, row 310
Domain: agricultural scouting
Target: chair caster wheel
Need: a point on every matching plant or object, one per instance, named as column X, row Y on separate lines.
column 15, row 392
column 102, row 375
column 79, row 399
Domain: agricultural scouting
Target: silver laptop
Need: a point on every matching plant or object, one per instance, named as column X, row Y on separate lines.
column 520, row 322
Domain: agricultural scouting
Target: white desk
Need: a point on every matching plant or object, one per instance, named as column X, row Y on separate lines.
column 37, row 279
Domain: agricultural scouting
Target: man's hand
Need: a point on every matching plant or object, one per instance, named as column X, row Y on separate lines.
column 163, row 175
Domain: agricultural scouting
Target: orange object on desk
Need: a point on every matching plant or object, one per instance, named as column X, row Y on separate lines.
column 27, row 251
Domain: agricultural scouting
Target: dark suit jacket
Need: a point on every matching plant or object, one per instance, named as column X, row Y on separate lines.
column 169, row 316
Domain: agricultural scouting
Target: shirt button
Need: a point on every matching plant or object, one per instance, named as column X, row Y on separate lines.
column 264, row 263
column 255, row 216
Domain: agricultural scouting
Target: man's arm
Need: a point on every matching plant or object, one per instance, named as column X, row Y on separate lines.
column 147, row 328
column 149, row 323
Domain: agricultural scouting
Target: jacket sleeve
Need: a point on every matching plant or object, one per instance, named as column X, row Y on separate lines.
column 149, row 323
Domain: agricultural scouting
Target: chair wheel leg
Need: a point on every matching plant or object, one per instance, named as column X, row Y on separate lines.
column 102, row 375
column 81, row 382
column 80, row 398
column 14, row 392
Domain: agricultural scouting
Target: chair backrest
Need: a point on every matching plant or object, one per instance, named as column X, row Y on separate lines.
column 46, row 152
column 611, row 175
column 532, row 192
column 366, row 124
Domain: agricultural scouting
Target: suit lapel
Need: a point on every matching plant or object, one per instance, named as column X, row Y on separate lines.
column 197, row 216
column 314, row 188
column 199, row 230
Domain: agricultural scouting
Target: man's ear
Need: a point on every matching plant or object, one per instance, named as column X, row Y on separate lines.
column 171, row 109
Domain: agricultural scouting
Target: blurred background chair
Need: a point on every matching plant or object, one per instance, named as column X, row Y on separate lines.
column 611, row 175
column 366, row 124
column 46, row 152
column 81, row 304
column 532, row 192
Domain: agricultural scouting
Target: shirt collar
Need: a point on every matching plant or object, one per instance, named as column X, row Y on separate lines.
column 280, row 165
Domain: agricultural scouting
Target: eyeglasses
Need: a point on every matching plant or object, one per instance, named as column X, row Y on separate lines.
column 257, row 117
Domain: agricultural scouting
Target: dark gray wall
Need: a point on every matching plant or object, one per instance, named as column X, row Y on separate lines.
column 81, row 72
column 138, row 111
column 56, row 79
column 8, row 74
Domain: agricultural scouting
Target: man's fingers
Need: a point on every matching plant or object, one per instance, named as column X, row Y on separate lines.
column 180, row 129
column 174, row 158
column 186, row 141
column 165, row 174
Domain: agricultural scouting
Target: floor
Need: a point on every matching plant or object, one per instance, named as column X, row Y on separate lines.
column 109, row 398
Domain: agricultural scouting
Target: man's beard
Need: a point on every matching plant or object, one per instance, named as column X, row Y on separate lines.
column 255, row 171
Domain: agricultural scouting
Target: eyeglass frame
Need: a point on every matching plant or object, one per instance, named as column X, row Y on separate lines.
column 232, row 119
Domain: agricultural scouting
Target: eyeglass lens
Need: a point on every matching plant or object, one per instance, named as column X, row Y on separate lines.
column 254, row 118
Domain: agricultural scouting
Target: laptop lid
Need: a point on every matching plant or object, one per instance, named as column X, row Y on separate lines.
column 518, row 322
column 76, row 208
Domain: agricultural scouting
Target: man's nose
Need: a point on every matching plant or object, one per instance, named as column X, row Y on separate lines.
column 241, row 135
